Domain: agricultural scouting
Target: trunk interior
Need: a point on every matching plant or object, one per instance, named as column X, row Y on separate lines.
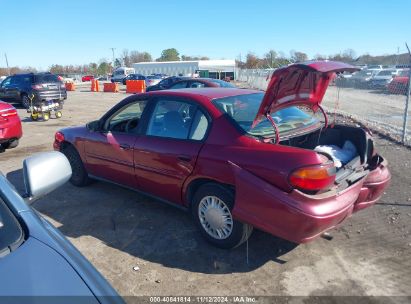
column 354, row 169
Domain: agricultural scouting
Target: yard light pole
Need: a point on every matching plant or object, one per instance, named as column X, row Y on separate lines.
column 404, row 128
column 7, row 63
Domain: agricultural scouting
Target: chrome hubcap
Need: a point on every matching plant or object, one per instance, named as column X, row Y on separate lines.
column 215, row 217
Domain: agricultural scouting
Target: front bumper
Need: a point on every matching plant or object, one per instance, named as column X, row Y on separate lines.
column 300, row 217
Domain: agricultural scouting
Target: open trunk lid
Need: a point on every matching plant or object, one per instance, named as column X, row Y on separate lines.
column 299, row 84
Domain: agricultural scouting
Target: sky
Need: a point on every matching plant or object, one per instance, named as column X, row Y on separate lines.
column 41, row 33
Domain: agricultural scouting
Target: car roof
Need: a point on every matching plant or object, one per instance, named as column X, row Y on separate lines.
column 210, row 93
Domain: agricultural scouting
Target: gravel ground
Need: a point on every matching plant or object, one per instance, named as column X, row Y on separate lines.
column 146, row 248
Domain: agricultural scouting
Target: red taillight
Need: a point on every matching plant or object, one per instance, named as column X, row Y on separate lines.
column 8, row 112
column 313, row 178
column 59, row 137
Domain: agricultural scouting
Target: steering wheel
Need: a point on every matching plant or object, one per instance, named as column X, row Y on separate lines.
column 129, row 126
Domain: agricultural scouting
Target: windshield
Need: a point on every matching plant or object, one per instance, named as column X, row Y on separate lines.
column 243, row 109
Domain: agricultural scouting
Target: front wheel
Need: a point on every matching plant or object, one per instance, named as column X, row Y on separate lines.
column 211, row 208
column 59, row 114
column 79, row 176
column 11, row 144
column 46, row 116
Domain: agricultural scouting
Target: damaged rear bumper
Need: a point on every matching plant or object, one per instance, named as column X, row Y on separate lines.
column 299, row 217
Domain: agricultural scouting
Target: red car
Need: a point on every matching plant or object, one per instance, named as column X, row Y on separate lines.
column 236, row 158
column 87, row 78
column 10, row 126
column 399, row 84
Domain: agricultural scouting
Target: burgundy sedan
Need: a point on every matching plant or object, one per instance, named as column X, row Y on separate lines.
column 236, row 158
column 10, row 126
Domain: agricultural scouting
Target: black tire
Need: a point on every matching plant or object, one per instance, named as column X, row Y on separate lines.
column 11, row 144
column 25, row 101
column 240, row 231
column 79, row 176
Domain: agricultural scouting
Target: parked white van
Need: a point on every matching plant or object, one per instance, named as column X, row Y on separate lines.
column 120, row 73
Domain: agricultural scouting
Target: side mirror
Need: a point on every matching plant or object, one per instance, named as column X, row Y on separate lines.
column 45, row 172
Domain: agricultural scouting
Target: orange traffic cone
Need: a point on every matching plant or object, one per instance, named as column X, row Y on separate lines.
column 93, row 85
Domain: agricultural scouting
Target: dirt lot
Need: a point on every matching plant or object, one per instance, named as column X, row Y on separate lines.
column 117, row 229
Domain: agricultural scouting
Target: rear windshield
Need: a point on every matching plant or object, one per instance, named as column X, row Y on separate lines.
column 153, row 77
column 46, row 78
column 11, row 234
column 223, row 84
column 243, row 109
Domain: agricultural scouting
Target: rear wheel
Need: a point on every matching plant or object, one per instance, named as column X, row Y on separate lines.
column 46, row 116
column 79, row 176
column 25, row 101
column 59, row 114
column 211, row 208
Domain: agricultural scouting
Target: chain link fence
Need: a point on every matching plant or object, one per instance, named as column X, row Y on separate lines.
column 376, row 97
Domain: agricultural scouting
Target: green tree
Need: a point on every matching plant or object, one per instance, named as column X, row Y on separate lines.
column 103, row 68
column 169, row 55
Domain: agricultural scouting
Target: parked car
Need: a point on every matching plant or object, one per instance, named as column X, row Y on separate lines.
column 165, row 83
column 135, row 77
column 87, row 78
column 161, row 75
column 38, row 86
column 10, row 126
column 37, row 261
column 153, row 80
column 201, row 83
column 120, row 73
column 236, row 158
column 361, row 79
column 382, row 78
column 399, row 84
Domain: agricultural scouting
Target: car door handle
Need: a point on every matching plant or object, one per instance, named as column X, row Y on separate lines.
column 185, row 158
column 125, row 146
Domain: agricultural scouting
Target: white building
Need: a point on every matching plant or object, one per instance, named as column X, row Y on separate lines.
column 205, row 68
